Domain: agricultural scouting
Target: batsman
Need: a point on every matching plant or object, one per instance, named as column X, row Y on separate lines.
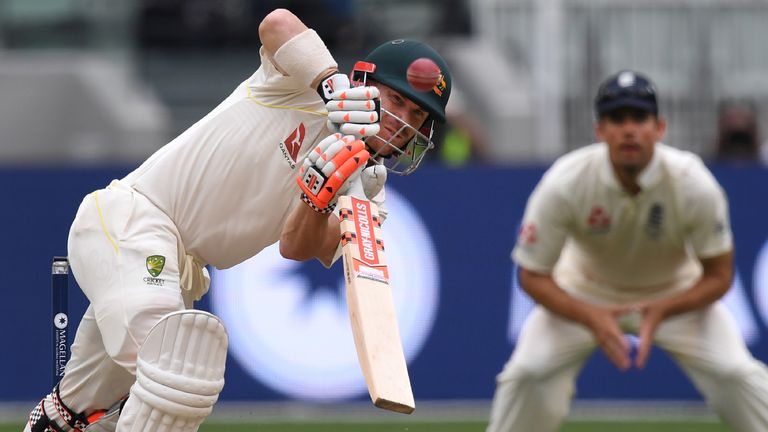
column 266, row 164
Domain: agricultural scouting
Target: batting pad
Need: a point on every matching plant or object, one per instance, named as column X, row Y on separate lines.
column 179, row 374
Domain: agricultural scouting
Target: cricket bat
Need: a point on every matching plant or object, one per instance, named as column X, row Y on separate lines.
column 371, row 307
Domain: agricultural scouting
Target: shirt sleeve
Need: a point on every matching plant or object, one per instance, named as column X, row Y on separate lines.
column 268, row 82
column 544, row 229
column 709, row 225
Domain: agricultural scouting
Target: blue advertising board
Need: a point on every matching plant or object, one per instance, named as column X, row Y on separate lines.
column 448, row 237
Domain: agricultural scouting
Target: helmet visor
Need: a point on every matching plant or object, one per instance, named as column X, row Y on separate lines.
column 405, row 159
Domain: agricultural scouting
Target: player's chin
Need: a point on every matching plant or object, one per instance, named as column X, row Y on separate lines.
column 631, row 166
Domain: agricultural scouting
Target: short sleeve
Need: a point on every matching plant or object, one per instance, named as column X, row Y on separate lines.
column 544, row 229
column 709, row 225
column 268, row 82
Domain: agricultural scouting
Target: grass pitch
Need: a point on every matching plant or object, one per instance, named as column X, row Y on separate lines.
column 464, row 427
column 441, row 427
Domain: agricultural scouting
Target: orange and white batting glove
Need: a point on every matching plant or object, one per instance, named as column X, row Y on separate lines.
column 328, row 169
column 351, row 111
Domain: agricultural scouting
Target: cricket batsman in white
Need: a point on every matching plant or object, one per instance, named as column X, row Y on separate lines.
column 627, row 236
column 267, row 164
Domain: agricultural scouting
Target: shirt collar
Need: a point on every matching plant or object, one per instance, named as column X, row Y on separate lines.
column 649, row 177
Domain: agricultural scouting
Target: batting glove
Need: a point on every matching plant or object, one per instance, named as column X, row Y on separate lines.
column 351, row 111
column 373, row 179
column 328, row 169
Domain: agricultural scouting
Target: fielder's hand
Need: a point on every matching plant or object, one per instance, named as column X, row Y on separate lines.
column 327, row 170
column 652, row 314
column 351, row 111
column 603, row 322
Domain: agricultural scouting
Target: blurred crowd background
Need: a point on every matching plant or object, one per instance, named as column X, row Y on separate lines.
column 94, row 82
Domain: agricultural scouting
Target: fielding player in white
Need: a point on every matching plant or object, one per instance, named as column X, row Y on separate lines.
column 218, row 194
column 627, row 236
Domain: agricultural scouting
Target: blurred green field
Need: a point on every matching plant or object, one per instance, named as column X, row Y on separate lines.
column 441, row 427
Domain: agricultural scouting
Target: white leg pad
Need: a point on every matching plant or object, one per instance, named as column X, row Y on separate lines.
column 179, row 374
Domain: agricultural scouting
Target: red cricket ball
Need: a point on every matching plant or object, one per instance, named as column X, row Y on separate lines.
column 423, row 74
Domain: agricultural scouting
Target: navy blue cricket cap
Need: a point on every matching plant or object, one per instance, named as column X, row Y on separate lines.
column 626, row 89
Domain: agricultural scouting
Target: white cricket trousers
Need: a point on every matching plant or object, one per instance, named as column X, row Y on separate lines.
column 116, row 229
column 534, row 390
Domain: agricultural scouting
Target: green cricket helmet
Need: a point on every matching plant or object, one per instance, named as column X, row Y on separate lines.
column 392, row 60
column 388, row 64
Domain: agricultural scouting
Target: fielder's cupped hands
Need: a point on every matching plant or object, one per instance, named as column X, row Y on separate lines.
column 651, row 315
column 603, row 322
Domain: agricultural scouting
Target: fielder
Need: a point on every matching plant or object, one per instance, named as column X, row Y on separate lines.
column 627, row 236
column 223, row 190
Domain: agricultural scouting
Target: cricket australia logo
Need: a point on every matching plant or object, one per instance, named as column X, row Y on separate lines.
column 292, row 144
column 155, row 264
column 440, row 87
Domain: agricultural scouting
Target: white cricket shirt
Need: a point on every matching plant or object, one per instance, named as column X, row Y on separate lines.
column 228, row 182
column 581, row 227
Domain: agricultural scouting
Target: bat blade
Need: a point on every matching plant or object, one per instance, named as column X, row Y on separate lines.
column 371, row 307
